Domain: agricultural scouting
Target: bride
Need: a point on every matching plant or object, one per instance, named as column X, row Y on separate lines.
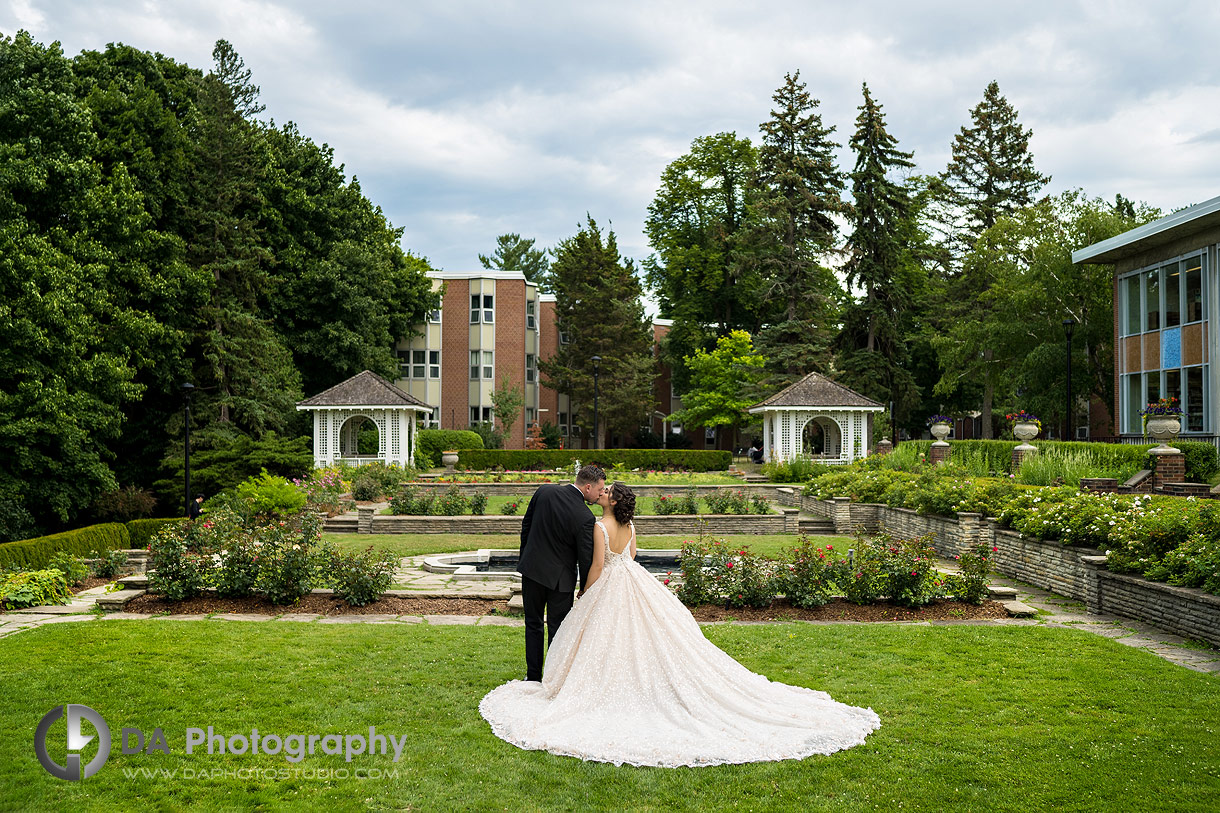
column 630, row 678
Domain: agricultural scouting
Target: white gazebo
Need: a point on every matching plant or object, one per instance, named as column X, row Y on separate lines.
column 339, row 413
column 818, row 419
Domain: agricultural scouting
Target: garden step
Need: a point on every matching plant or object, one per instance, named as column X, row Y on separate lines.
column 1002, row 593
column 1019, row 609
column 816, row 525
column 138, row 581
column 516, row 604
column 115, row 602
column 341, row 525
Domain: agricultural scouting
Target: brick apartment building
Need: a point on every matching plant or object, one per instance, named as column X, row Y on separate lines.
column 494, row 327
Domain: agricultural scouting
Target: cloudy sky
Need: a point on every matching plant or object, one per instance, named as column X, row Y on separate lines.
column 465, row 120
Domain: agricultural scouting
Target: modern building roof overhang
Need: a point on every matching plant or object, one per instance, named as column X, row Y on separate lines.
column 1191, row 220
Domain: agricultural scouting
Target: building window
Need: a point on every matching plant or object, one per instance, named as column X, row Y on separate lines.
column 563, row 423
column 417, row 363
column 564, row 338
column 482, row 306
column 432, row 419
column 480, row 415
column 489, row 367
column 474, row 365
column 434, row 317
column 531, row 416
column 434, row 364
column 531, row 368
column 531, row 321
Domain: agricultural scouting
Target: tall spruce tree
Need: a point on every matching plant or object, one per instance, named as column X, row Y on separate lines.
column 695, row 225
column 598, row 306
column 991, row 172
column 792, row 230
column 872, row 349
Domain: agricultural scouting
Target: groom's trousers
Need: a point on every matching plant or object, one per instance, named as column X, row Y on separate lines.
column 538, row 598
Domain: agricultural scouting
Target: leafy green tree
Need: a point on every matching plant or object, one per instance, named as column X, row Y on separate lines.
column 598, row 306
column 872, row 346
column 792, row 228
column 723, row 383
column 507, row 400
column 1036, row 286
column 342, row 289
column 516, row 253
column 695, row 225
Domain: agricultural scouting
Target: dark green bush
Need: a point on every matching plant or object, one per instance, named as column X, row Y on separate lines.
column 431, row 442
column 547, row 459
column 35, row 554
column 361, row 578
column 72, row 566
column 1201, row 460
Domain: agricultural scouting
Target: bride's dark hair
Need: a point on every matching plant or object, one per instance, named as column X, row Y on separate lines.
column 624, row 502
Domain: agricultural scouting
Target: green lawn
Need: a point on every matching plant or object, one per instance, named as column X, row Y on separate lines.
column 495, row 506
column 972, row 719
column 417, row 544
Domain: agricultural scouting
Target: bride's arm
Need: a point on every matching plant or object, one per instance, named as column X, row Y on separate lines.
column 599, row 559
column 633, row 540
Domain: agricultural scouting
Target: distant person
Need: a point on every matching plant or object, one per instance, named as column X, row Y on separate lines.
column 196, row 507
column 756, row 452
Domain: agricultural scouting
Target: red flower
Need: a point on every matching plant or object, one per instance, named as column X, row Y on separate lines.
column 728, row 564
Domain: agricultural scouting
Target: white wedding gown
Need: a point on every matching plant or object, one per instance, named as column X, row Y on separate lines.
column 630, row 678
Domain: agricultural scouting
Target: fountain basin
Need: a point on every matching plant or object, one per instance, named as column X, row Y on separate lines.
column 501, row 563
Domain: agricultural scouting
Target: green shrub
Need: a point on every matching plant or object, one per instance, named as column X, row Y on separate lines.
column 108, row 563
column 1202, row 463
column 971, row 586
column 141, row 531
column 563, row 459
column 696, row 588
column 33, row 588
column 452, row 503
column 859, row 577
column 268, row 495
column 738, row 577
column 411, row 502
column 1194, row 563
column 806, row 574
column 797, row 470
column 72, row 566
column 478, row 504
column 236, row 576
column 908, row 568
column 221, row 459
column 686, row 503
column 431, row 442
column 178, row 571
column 288, row 559
column 366, row 488
column 511, row 507
column 361, row 578
column 35, row 554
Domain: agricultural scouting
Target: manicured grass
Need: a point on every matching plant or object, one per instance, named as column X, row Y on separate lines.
column 417, row 544
column 495, row 505
column 972, row 719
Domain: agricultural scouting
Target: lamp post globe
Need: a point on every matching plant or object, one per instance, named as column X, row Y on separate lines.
column 597, row 360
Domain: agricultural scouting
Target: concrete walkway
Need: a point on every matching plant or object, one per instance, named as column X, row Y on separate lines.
column 1052, row 611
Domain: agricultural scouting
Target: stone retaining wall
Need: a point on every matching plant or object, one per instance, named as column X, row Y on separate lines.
column 784, row 522
column 1075, row 572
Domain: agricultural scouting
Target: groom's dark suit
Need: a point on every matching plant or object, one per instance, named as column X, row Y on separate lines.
column 556, row 537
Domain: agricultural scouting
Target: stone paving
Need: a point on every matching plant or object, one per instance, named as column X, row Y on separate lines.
column 1051, row 611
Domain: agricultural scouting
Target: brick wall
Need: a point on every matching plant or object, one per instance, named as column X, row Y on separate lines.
column 455, row 355
column 510, row 348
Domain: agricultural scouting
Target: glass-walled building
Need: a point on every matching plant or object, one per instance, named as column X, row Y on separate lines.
column 1165, row 300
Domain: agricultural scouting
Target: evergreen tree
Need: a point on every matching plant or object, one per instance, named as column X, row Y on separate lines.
column 515, row 253
column 695, row 225
column 598, row 306
column 791, row 231
column 991, row 173
column 872, row 346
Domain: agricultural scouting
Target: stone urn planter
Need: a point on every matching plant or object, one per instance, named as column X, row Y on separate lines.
column 940, row 431
column 450, row 460
column 1163, row 429
column 1025, row 431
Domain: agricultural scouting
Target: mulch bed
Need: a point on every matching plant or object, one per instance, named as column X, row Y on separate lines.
column 840, row 610
column 328, row 605
column 320, row 604
column 92, row 581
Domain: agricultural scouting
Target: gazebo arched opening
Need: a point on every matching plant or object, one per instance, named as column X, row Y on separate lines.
column 822, row 438
column 359, row 438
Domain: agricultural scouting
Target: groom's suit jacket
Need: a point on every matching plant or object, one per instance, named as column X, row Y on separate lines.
column 556, row 536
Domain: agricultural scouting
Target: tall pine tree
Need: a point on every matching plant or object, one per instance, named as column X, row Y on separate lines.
column 598, row 305
column 872, row 349
column 516, row 253
column 792, row 230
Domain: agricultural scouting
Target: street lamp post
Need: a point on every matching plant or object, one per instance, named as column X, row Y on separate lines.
column 596, row 361
column 188, row 389
column 1068, row 325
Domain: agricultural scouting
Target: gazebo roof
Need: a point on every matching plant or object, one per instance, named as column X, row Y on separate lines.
column 815, row 390
column 366, row 389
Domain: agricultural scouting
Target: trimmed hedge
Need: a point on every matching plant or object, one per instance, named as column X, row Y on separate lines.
column 142, row 531
column 431, row 442
column 541, row 459
column 35, row 554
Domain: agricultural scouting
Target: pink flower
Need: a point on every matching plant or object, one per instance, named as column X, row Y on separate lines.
column 994, row 549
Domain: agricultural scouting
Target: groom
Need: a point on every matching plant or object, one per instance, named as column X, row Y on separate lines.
column 556, row 535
